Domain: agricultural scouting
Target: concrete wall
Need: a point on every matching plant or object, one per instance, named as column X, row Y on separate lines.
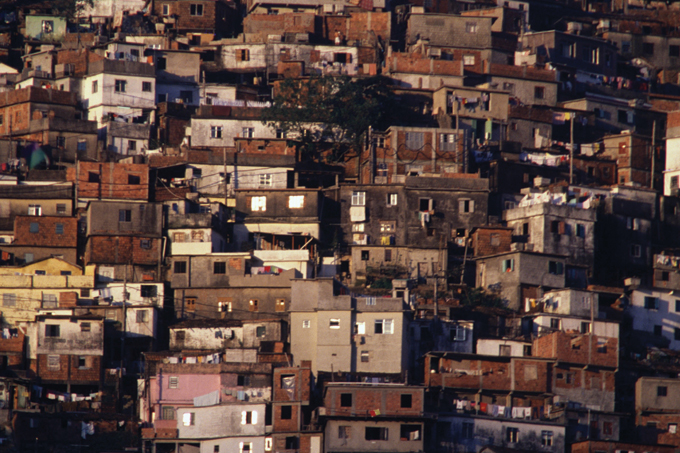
column 214, row 421
column 488, row 346
column 540, row 217
column 648, row 397
column 494, row 432
column 357, row 436
column 73, row 338
column 665, row 316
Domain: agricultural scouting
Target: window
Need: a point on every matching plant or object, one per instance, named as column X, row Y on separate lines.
column 173, row 382
column 658, row 330
column 384, row 326
column 392, row 199
column 145, row 244
column 345, row 400
column 364, row 356
column 415, row 140
column 95, row 86
column 539, row 92
column 34, row 209
column 142, row 316
column 466, row 206
column 215, row 131
column 457, row 333
column 125, row 215
column 219, row 267
column 132, row 145
column 358, row 198
column 266, row 180
column 52, row 330
column 120, row 86
column 53, row 362
column 82, row 362
column 280, row 305
column 648, row 48
column 224, row 305
column 527, row 350
column 180, row 267
column 406, row 400
column 508, row 265
column 344, row 432
column 376, row 433
column 585, row 327
column 85, row 327
column 388, row 255
column 651, row 303
column 470, row 27
column 242, row 55
column 146, row 86
column 567, row 50
column 635, row 251
column 359, row 328
column 188, row 418
column 81, row 146
column 306, row 323
column 676, row 334
column 467, row 430
column 555, row 267
column 196, row 10
column 504, row 350
column 247, row 446
column 672, row 428
column 28, row 257
column 286, row 412
column 468, row 60
column 409, row 432
column 249, row 417
column 546, row 438
column 243, row 380
column 580, row 230
column 167, row 413
column 49, row 300
column 633, row 223
column 334, row 323
column 425, row 204
column 511, row 435
column 248, row 132
column 190, row 304
column 296, row 201
column 555, row 323
column 253, row 305
column 61, row 208
column 9, row 300
column 34, row 227
column 258, row 204
column 280, row 133
column 365, row 255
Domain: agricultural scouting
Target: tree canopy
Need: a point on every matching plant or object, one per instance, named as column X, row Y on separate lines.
column 334, row 110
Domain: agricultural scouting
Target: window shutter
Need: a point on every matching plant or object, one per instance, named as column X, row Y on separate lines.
column 243, row 422
column 562, row 228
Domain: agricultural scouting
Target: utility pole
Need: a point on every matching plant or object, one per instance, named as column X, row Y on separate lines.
column 651, row 182
column 571, row 150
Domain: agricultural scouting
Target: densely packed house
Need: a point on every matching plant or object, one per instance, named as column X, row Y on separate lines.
column 319, row 226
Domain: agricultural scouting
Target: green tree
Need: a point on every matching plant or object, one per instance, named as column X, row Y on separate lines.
column 335, row 111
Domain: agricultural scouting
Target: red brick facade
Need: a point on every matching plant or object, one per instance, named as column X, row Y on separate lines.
column 69, row 370
column 489, row 241
column 573, row 348
column 388, row 401
column 110, row 180
column 44, row 231
column 122, row 250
